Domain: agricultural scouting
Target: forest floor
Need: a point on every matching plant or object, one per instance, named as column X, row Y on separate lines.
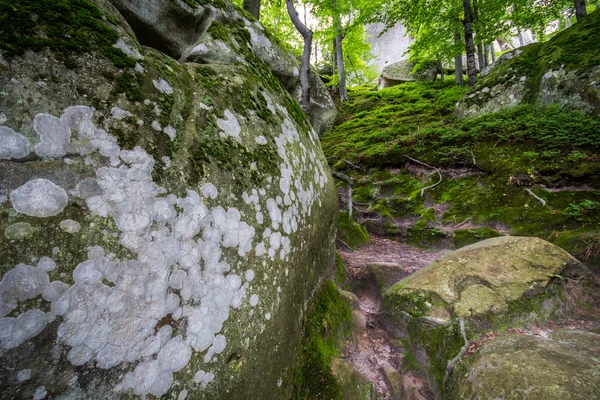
column 373, row 348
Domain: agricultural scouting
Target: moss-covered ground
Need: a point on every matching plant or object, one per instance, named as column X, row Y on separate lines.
column 396, row 140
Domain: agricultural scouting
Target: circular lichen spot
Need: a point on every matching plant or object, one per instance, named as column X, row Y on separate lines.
column 18, row 231
column 70, row 226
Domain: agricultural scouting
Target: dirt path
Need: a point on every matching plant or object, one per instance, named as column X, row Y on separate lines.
column 373, row 349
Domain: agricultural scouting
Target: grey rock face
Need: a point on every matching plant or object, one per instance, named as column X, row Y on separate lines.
column 186, row 33
column 171, row 227
column 396, row 74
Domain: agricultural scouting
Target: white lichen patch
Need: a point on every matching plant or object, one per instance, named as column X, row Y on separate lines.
column 119, row 113
column 23, row 375
column 18, row 231
column 125, row 48
column 230, row 125
column 39, row 198
column 70, row 226
column 54, row 136
column 13, row 145
column 170, row 131
column 163, row 86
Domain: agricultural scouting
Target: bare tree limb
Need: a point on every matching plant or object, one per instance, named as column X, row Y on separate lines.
column 536, row 197
column 428, row 166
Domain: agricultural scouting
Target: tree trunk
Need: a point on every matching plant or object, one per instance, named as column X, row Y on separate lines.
column 469, row 44
column 307, row 35
column 458, row 65
column 340, row 56
column 486, row 55
column 340, row 64
column 253, row 7
column 521, row 41
column 580, row 10
column 493, row 51
column 480, row 56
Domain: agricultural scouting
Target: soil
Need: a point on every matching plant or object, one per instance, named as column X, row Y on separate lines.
column 374, row 348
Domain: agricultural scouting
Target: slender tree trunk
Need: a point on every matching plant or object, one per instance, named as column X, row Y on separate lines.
column 253, row 7
column 486, row 55
column 307, row 35
column 521, row 41
column 458, row 65
column 441, row 69
column 469, row 44
column 340, row 64
column 340, row 55
column 493, row 51
column 580, row 10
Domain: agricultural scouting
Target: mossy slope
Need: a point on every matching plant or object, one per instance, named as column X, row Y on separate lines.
column 486, row 164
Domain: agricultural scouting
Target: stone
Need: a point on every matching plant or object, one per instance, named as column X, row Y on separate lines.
column 322, row 111
column 482, row 278
column 352, row 383
column 397, row 73
column 543, row 74
column 384, row 274
column 163, row 260
column 559, row 364
column 491, row 285
column 360, row 321
column 349, row 298
column 394, row 380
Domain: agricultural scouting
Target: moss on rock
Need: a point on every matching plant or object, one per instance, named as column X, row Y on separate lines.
column 351, row 232
column 561, row 364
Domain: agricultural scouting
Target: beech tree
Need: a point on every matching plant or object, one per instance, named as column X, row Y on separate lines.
column 307, row 35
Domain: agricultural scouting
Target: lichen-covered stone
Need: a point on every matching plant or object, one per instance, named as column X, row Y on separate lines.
column 560, row 364
column 353, row 385
column 563, row 71
column 181, row 217
column 491, row 285
column 396, row 73
column 482, row 278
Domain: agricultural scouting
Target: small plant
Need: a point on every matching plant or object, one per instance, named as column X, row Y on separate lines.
column 585, row 211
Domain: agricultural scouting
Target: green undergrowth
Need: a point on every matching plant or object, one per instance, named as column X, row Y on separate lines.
column 487, row 163
column 351, row 232
column 328, row 323
column 67, row 27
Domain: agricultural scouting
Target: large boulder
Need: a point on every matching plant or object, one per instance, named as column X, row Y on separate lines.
column 564, row 71
column 559, row 364
column 165, row 223
column 494, row 284
column 216, row 33
column 397, row 73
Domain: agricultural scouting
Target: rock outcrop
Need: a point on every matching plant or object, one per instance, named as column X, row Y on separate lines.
column 191, row 31
column 554, row 364
column 396, row 73
column 564, row 71
column 494, row 284
column 165, row 222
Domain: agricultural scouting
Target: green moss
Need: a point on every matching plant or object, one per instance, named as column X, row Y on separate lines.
column 67, row 27
column 128, row 84
column 351, row 232
column 250, row 167
column 574, row 50
column 196, row 3
column 326, row 328
column 465, row 237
